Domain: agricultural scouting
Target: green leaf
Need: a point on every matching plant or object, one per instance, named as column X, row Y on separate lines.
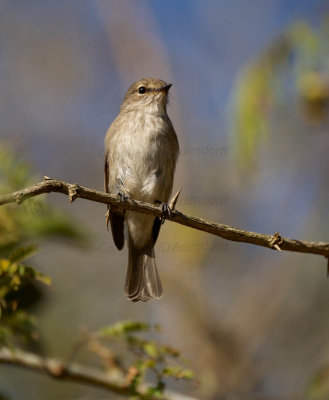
column 156, row 391
column 30, row 272
column 170, row 351
column 23, row 324
column 23, row 252
column 124, row 328
column 4, row 265
column 17, row 273
column 151, row 349
column 178, row 373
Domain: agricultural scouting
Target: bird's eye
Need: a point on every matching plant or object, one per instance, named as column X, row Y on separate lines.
column 141, row 89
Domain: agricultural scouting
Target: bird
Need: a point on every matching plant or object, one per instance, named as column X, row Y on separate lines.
column 141, row 152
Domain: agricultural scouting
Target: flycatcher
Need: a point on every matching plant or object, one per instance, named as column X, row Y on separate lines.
column 141, row 150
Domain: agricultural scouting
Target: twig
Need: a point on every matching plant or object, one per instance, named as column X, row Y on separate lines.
column 227, row 232
column 77, row 373
column 56, row 369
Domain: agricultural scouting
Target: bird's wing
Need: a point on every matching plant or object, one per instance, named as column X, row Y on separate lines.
column 115, row 218
column 106, row 186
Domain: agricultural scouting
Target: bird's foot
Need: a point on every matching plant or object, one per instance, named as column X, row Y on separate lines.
column 123, row 197
column 165, row 212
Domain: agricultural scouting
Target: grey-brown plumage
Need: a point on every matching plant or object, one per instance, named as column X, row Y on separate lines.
column 141, row 149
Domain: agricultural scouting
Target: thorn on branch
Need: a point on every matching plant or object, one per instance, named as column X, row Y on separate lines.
column 107, row 216
column 73, row 192
column 173, row 202
column 276, row 241
column 166, row 209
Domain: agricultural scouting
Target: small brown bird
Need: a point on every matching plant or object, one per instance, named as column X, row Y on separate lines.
column 141, row 150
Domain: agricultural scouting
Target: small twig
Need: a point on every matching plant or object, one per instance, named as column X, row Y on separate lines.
column 73, row 192
column 73, row 372
column 81, row 342
column 276, row 241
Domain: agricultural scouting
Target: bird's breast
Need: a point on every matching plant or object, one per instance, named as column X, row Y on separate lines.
column 149, row 155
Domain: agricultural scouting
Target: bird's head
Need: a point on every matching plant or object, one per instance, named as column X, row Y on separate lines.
column 147, row 94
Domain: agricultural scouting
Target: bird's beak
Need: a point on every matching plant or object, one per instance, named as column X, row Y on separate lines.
column 166, row 87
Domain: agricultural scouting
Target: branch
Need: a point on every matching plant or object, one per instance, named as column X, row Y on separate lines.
column 227, row 232
column 75, row 373
column 56, row 369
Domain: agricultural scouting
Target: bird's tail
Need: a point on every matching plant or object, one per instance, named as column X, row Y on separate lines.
column 142, row 279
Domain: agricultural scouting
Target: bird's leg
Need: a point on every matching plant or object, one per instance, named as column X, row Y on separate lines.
column 124, row 196
column 168, row 208
column 165, row 211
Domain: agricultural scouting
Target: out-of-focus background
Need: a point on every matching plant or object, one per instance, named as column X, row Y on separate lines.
column 249, row 103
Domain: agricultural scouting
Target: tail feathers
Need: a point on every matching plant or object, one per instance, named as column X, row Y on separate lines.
column 117, row 226
column 142, row 279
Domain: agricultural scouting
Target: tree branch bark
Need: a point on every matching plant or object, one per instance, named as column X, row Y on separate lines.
column 275, row 241
column 56, row 369
column 76, row 373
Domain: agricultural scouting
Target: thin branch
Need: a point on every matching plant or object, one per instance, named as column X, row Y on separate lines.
column 56, row 369
column 76, row 373
column 275, row 242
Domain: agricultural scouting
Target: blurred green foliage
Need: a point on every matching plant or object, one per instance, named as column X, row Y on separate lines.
column 14, row 276
column 318, row 389
column 34, row 220
column 144, row 357
column 20, row 227
column 294, row 67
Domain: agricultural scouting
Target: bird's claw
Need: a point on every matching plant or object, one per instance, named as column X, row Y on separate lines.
column 165, row 212
column 123, row 197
